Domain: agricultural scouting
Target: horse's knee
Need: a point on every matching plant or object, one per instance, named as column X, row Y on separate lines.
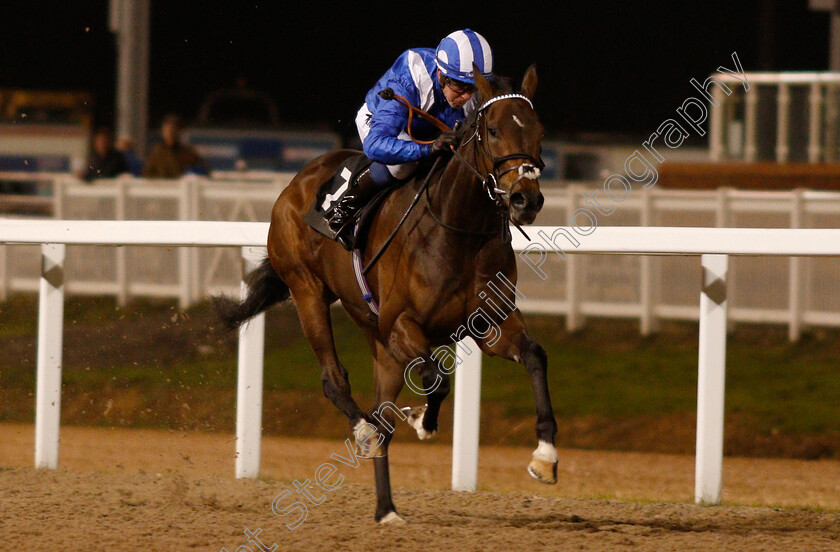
column 435, row 381
column 534, row 356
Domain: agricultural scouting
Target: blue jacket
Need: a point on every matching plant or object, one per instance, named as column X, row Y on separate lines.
column 413, row 76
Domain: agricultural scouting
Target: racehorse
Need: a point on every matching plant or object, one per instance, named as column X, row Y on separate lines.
column 430, row 281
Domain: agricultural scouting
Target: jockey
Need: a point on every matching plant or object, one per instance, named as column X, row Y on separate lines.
column 439, row 81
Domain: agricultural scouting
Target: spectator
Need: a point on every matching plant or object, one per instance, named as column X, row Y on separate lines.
column 125, row 145
column 172, row 158
column 104, row 160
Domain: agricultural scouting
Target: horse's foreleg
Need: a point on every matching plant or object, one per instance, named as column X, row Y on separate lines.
column 410, row 347
column 388, row 382
column 514, row 343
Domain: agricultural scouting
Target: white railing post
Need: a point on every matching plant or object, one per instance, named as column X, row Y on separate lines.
column 724, row 218
column 249, row 388
column 59, row 197
column 466, row 418
column 795, row 271
column 711, row 366
column 648, row 322
column 574, row 320
column 121, row 253
column 184, row 279
column 815, row 101
column 782, row 122
column 50, row 342
column 750, row 118
column 196, row 287
column 716, row 126
column 830, row 119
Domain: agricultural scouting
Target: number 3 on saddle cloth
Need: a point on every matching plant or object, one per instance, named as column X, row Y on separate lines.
column 331, row 192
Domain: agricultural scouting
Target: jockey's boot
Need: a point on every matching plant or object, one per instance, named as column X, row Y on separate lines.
column 344, row 211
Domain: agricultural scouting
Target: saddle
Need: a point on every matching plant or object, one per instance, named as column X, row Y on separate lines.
column 331, row 192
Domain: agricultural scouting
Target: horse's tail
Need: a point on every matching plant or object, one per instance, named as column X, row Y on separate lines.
column 265, row 288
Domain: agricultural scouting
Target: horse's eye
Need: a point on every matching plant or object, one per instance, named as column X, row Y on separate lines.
column 491, row 130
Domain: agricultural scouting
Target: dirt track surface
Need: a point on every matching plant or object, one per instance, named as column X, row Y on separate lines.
column 158, row 490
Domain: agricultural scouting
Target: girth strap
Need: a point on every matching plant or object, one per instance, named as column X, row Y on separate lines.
column 367, row 294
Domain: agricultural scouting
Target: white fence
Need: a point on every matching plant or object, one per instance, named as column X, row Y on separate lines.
column 795, row 292
column 186, row 274
column 713, row 244
column 790, row 116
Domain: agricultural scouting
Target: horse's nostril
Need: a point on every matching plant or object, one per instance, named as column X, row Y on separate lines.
column 540, row 201
column 518, row 200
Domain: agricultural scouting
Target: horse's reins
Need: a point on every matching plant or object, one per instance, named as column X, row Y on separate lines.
column 489, row 182
column 388, row 94
column 414, row 201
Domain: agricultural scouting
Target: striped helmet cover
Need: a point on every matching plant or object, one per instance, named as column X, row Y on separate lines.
column 457, row 52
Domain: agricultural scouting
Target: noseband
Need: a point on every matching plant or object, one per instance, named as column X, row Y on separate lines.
column 529, row 169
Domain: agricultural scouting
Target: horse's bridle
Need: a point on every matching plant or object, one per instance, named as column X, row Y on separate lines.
column 530, row 169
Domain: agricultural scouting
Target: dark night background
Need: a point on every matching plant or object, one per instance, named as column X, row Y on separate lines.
column 617, row 67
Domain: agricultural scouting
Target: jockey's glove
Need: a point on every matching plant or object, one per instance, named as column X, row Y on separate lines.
column 445, row 140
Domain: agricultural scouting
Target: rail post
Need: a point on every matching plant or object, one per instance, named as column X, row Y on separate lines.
column 50, row 342
column 795, row 303
column 466, row 417
column 184, row 280
column 574, row 319
column 249, row 389
column 648, row 323
column 123, row 286
column 710, row 380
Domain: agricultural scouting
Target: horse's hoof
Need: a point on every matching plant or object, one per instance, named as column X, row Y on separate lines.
column 414, row 418
column 369, row 442
column 543, row 466
column 392, row 518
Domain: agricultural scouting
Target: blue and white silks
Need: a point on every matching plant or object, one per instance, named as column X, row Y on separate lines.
column 382, row 123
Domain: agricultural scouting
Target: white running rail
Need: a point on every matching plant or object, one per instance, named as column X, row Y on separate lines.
column 714, row 245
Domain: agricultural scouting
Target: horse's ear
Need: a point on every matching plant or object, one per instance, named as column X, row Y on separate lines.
column 529, row 82
column 484, row 87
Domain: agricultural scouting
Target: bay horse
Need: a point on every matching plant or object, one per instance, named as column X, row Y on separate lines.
column 428, row 283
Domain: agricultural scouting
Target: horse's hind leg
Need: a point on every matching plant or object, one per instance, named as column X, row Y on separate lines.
column 314, row 312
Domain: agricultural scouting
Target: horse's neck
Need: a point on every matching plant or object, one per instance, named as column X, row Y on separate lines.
column 459, row 199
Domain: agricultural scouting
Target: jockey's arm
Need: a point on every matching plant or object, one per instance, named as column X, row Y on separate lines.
column 390, row 119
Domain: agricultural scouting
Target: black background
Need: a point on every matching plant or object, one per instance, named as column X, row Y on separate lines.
column 618, row 67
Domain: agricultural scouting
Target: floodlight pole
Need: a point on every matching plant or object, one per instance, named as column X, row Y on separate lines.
column 129, row 21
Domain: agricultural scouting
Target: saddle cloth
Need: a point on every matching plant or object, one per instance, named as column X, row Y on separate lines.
column 331, row 192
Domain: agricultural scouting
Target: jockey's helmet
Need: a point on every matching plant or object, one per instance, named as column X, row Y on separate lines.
column 457, row 52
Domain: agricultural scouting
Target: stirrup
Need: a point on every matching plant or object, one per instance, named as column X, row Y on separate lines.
column 352, row 203
column 342, row 214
